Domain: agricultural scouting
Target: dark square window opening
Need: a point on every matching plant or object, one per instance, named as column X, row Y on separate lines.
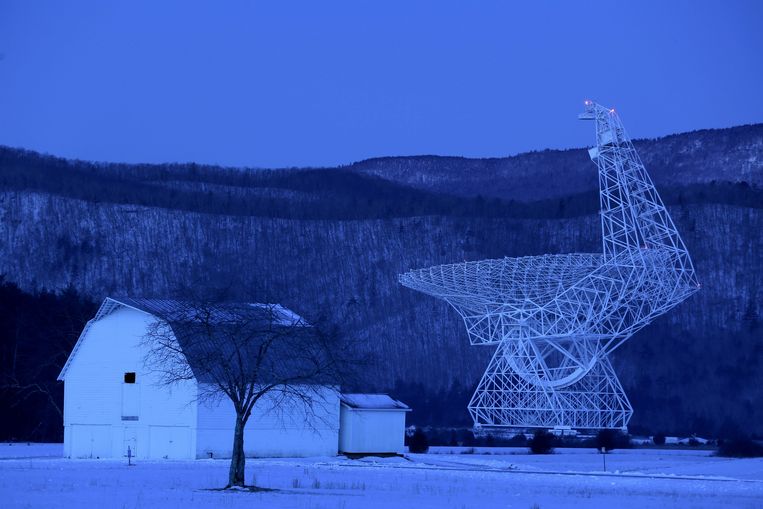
column 130, row 378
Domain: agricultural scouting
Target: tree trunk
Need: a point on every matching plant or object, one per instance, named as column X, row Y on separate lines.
column 238, row 460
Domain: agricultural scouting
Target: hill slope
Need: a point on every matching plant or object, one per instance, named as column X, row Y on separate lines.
column 335, row 239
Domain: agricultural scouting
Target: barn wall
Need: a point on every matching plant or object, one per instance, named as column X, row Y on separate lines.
column 286, row 431
column 96, row 397
column 372, row 431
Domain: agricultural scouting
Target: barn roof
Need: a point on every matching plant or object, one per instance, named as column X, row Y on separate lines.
column 181, row 311
column 182, row 318
column 372, row 402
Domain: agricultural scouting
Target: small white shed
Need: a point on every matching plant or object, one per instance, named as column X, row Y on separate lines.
column 371, row 424
column 112, row 402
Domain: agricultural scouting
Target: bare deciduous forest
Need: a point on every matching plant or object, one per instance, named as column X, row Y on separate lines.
column 335, row 239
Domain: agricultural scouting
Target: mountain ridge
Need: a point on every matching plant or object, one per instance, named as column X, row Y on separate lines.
column 336, row 239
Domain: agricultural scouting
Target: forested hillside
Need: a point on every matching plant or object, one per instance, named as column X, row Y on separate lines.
column 335, row 240
column 721, row 155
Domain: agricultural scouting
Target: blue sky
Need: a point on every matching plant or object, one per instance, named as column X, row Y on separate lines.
column 324, row 83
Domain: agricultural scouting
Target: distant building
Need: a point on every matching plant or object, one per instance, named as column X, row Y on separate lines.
column 111, row 402
column 371, row 424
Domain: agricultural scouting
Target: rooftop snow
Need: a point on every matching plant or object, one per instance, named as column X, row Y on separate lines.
column 373, row 402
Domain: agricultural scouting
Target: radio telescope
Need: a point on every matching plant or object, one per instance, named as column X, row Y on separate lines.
column 556, row 318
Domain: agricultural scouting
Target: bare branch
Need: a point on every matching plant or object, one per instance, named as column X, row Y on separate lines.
column 251, row 353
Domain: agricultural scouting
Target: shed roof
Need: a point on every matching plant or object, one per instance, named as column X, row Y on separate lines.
column 372, row 402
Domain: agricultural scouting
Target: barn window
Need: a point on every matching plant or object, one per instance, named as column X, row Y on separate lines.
column 130, row 378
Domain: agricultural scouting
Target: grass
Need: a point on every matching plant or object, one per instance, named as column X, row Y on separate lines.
column 317, row 484
column 242, row 489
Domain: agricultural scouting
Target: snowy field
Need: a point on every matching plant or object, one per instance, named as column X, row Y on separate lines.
column 448, row 477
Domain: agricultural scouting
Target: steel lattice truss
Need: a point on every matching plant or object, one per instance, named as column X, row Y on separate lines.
column 555, row 318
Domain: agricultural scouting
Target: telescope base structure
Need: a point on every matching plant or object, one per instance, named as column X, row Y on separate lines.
column 507, row 399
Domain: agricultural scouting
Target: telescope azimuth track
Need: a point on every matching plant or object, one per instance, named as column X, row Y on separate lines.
column 556, row 318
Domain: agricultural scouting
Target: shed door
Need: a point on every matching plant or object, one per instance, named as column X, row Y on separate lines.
column 91, row 441
column 169, row 442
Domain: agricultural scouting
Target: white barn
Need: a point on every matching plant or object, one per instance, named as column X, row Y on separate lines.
column 112, row 402
column 372, row 424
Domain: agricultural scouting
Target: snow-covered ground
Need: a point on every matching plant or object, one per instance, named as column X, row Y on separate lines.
column 35, row 476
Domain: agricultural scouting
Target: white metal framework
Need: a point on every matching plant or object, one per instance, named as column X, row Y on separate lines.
column 556, row 318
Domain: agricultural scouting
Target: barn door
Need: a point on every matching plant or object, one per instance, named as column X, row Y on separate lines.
column 169, row 442
column 130, row 440
column 91, row 441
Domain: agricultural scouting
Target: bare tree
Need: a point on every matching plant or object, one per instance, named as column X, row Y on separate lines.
column 244, row 352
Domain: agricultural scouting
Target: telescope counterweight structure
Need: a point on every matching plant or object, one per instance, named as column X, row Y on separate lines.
column 556, row 318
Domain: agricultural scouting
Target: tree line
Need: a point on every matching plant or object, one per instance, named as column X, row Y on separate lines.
column 331, row 193
column 37, row 332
